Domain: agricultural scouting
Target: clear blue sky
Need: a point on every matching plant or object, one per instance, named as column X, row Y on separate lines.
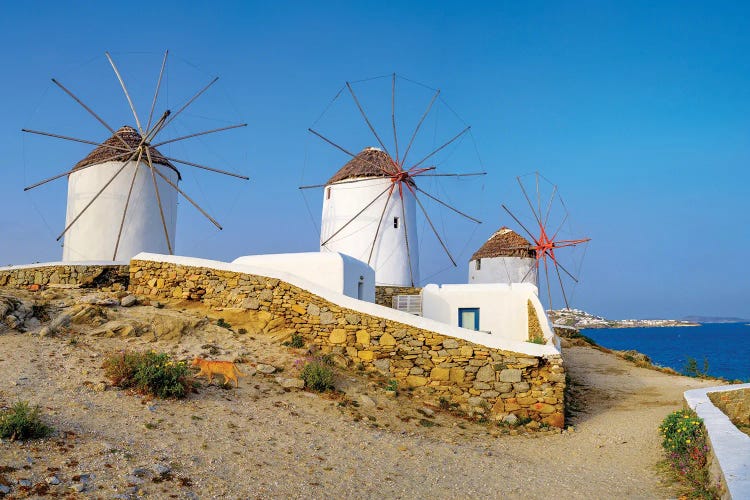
column 639, row 111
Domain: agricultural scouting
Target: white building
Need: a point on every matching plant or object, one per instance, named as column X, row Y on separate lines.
column 506, row 257
column 93, row 237
column 330, row 270
column 368, row 216
column 496, row 309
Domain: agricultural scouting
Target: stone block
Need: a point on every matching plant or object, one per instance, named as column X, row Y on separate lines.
column 510, row 375
column 440, row 374
column 416, row 381
column 543, row 408
column 338, row 336
column 450, row 344
column 457, row 375
column 365, row 355
column 487, row 374
column 299, row 309
column 387, row 339
column 476, row 401
column 363, row 337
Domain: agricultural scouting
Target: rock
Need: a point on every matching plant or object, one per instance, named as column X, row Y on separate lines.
column 78, row 487
column 510, row 419
column 352, row 319
column 250, row 303
column 12, row 321
column 100, row 387
column 383, row 365
column 290, row 383
column 440, row 373
column 53, row 480
column 366, row 355
column 326, row 318
column 313, row 310
column 363, row 337
column 99, row 300
column 416, row 381
column 450, row 344
column 387, row 340
column 366, row 401
column 476, row 401
column 25, row 483
column 338, row 336
column 162, row 469
column 33, row 323
column 140, row 472
column 267, row 369
column 555, row 420
column 510, row 375
column 486, row 374
column 130, row 479
column 4, row 490
column 427, row 412
column 46, row 331
column 543, row 408
column 128, row 300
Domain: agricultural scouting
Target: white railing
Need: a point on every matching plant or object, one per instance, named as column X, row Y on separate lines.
column 411, row 304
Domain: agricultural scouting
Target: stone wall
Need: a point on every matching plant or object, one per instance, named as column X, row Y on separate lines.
column 83, row 275
column 735, row 405
column 497, row 383
column 384, row 294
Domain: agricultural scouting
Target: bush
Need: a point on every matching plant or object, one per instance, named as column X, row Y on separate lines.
column 684, row 440
column 692, row 370
column 317, row 375
column 220, row 322
column 149, row 373
column 297, row 341
column 22, row 422
column 539, row 339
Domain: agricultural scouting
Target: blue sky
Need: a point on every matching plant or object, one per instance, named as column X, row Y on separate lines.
column 638, row 111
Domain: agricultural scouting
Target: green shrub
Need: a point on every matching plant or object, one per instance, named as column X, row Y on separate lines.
column 317, row 375
column 22, row 422
column 692, row 370
column 684, row 440
column 392, row 385
column 220, row 322
column 149, row 373
column 297, row 341
column 537, row 340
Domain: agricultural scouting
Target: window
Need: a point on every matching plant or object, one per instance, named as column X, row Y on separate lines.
column 328, row 194
column 478, row 264
column 395, row 222
column 468, row 317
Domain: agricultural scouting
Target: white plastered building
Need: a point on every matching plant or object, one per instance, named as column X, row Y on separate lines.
column 368, row 216
column 94, row 235
column 330, row 270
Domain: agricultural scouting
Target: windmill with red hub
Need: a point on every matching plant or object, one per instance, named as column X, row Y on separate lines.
column 546, row 232
column 370, row 204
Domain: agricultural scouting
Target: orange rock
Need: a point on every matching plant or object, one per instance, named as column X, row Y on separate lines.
column 555, row 420
column 34, row 288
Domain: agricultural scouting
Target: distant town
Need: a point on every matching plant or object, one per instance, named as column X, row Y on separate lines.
column 576, row 318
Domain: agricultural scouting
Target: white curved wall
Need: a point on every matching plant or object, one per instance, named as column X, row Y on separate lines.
column 389, row 257
column 94, row 235
column 503, row 270
column 334, row 271
column 502, row 307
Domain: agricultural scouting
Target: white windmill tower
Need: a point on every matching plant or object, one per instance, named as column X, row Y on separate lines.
column 383, row 233
column 370, row 205
column 122, row 197
column 506, row 257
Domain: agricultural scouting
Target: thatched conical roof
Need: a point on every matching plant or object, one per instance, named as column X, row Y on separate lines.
column 111, row 150
column 504, row 243
column 370, row 162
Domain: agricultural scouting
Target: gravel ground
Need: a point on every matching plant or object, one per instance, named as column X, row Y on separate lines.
column 262, row 440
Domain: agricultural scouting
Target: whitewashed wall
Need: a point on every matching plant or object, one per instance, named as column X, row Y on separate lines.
column 94, row 235
column 333, row 271
column 502, row 307
column 503, row 270
column 389, row 257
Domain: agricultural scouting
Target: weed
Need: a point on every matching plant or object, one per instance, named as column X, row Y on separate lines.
column 392, row 385
column 220, row 322
column 317, row 375
column 149, row 373
column 692, row 370
column 684, row 440
column 242, row 331
column 427, row 423
column 444, row 403
column 537, row 339
column 150, row 425
column 22, row 421
column 297, row 341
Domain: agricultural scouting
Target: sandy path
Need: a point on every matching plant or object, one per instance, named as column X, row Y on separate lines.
column 261, row 441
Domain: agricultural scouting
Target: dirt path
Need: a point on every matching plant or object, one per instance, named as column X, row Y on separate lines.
column 264, row 441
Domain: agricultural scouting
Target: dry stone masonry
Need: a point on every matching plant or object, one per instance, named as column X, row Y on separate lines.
column 499, row 384
column 735, row 405
column 100, row 276
column 384, row 294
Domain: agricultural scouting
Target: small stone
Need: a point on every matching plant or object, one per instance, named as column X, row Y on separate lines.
column 486, row 374
column 100, row 387
column 24, row 483
column 510, row 375
column 162, row 469
column 338, row 336
column 78, row 487
column 387, row 340
column 290, row 383
column 140, row 472
column 440, row 373
column 268, row 369
column 4, row 490
column 128, row 300
column 510, row 419
column 475, row 401
column 450, row 344
column 130, row 479
column 46, row 331
column 366, row 401
column 53, row 480
column 383, row 365
column 427, row 412
column 313, row 310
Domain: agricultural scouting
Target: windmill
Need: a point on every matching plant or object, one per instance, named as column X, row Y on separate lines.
column 370, row 204
column 122, row 197
column 549, row 219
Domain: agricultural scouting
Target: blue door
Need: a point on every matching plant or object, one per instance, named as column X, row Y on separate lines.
column 468, row 317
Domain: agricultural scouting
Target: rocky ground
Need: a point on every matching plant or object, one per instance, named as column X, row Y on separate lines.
column 270, row 439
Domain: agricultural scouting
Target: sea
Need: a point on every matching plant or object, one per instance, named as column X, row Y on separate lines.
column 724, row 347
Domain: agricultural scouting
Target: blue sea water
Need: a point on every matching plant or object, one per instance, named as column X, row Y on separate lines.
column 726, row 346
